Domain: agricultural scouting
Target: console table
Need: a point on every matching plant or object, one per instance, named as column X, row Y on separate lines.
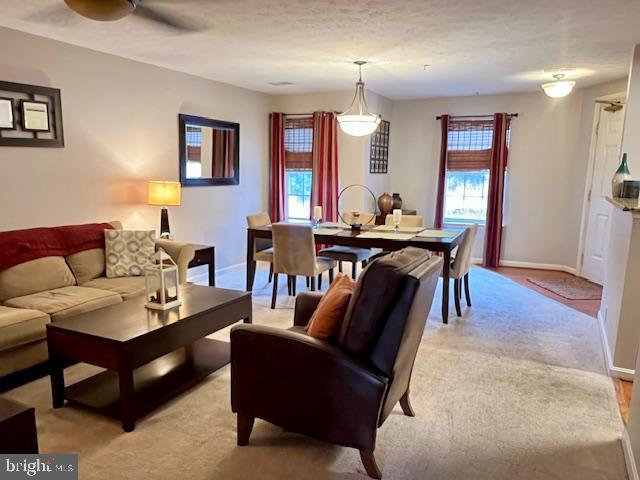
column 205, row 255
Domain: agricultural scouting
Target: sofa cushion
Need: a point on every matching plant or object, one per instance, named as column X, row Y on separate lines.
column 66, row 302
column 375, row 295
column 34, row 276
column 19, row 326
column 127, row 252
column 126, row 287
column 86, row 265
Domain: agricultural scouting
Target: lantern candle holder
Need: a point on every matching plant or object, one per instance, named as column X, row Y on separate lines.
column 161, row 277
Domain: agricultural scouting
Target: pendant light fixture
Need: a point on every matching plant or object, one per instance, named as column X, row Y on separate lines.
column 560, row 88
column 357, row 120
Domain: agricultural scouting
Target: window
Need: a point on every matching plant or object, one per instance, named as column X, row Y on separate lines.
column 298, row 146
column 469, row 145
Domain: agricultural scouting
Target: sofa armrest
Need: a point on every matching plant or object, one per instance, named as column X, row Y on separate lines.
column 181, row 253
column 306, row 304
column 305, row 385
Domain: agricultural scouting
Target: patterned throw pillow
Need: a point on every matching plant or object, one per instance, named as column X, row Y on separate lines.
column 127, row 252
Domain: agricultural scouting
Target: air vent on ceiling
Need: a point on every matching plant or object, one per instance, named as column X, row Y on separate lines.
column 281, row 84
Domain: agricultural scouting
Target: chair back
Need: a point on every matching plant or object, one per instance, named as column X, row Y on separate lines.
column 407, row 220
column 257, row 220
column 462, row 262
column 294, row 249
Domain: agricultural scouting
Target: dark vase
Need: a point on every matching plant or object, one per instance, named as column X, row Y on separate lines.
column 397, row 201
column 385, row 203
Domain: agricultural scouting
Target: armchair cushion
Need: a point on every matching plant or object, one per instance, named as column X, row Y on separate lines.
column 376, row 293
column 327, row 319
column 339, row 402
column 306, row 303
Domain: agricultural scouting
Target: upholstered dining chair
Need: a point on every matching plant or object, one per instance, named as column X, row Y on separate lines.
column 407, row 220
column 459, row 270
column 294, row 254
column 353, row 255
column 263, row 247
column 340, row 391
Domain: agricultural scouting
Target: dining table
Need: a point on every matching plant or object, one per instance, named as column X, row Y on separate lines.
column 441, row 241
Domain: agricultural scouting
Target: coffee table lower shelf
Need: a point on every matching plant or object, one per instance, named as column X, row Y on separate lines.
column 154, row 383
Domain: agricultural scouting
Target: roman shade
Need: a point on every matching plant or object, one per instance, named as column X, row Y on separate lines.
column 469, row 145
column 298, row 144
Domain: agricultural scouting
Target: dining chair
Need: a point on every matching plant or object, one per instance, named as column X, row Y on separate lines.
column 263, row 247
column 351, row 254
column 407, row 220
column 459, row 270
column 294, row 254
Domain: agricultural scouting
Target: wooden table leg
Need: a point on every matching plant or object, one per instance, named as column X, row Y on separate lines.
column 56, row 372
column 445, row 285
column 127, row 397
column 212, row 270
column 251, row 264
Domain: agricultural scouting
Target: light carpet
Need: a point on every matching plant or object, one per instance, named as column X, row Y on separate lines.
column 515, row 389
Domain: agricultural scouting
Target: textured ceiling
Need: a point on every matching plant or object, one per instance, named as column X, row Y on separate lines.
column 481, row 46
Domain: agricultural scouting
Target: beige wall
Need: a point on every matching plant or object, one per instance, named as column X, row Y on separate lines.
column 547, row 166
column 121, row 129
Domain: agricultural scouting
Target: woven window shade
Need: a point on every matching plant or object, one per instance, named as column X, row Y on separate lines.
column 469, row 145
column 298, row 143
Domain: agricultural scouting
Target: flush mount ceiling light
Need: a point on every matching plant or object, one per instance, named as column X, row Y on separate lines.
column 357, row 120
column 560, row 88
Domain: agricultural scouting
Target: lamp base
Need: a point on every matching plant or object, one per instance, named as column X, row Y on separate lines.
column 165, row 232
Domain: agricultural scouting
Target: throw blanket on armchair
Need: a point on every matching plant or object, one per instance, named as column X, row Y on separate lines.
column 19, row 246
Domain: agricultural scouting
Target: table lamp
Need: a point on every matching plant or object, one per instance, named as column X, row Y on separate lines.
column 164, row 194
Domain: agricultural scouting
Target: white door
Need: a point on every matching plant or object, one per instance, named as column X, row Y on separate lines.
column 607, row 158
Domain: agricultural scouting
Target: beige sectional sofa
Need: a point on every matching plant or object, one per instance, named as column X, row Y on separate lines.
column 52, row 288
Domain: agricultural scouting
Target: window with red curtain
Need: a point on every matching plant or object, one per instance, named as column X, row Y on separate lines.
column 467, row 168
column 298, row 160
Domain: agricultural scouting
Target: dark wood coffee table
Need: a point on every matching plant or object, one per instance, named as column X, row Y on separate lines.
column 150, row 356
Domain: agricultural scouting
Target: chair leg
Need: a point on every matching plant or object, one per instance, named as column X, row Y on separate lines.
column 466, row 289
column 364, row 263
column 456, row 295
column 320, row 281
column 340, row 266
column 406, row 405
column 270, row 272
column 354, row 269
column 369, row 462
column 293, row 285
column 245, row 425
column 313, row 284
column 289, row 284
column 331, row 276
column 307, row 281
column 274, row 294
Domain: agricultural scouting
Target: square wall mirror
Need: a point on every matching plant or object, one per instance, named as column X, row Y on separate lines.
column 209, row 151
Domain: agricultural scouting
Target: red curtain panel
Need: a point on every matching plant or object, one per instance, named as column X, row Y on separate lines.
column 495, row 201
column 324, row 188
column 276, row 177
column 444, row 120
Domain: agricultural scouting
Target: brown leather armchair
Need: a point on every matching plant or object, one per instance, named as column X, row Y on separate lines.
column 339, row 392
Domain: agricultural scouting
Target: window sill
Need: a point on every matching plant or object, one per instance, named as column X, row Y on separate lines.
column 463, row 223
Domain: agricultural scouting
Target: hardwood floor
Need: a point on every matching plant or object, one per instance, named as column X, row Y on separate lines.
column 589, row 307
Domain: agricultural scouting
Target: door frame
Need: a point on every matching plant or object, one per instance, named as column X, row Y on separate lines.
column 597, row 112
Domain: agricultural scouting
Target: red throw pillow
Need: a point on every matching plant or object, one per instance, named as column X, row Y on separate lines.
column 327, row 319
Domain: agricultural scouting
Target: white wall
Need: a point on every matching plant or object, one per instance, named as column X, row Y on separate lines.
column 121, row 129
column 546, row 175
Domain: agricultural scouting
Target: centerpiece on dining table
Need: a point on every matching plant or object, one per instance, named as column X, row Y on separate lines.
column 356, row 195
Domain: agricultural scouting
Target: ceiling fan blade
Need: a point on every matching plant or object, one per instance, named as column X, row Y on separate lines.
column 60, row 15
column 166, row 20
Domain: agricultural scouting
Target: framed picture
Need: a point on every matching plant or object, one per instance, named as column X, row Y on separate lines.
column 35, row 116
column 6, row 113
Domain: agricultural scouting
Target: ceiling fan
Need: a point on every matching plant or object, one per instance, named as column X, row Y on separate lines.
column 614, row 106
column 112, row 10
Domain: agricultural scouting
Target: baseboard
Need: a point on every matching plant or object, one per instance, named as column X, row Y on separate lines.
column 532, row 265
column 616, row 372
column 629, row 460
column 204, row 277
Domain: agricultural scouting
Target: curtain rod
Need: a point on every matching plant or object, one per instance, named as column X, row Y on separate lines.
column 476, row 116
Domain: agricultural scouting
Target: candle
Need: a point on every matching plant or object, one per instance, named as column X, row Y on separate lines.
column 397, row 216
column 317, row 213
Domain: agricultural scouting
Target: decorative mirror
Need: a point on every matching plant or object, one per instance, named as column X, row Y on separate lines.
column 209, row 151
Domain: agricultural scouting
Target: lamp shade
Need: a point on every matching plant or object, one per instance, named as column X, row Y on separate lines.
column 166, row 194
column 560, row 88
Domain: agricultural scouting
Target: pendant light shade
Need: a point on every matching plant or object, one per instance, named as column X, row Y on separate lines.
column 357, row 120
column 560, row 88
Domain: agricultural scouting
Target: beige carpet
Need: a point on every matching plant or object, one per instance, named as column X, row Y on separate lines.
column 570, row 287
column 513, row 390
